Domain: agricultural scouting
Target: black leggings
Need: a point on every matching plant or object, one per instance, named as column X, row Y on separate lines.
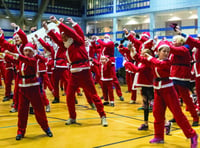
column 148, row 95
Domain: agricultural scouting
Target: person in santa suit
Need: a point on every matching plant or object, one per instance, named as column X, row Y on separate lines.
column 77, row 57
column 129, row 73
column 181, row 74
column 29, row 89
column 196, row 55
column 7, row 74
column 107, row 78
column 107, row 49
column 20, row 40
column 165, row 95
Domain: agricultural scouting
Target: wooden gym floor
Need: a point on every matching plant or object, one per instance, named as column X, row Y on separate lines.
column 123, row 119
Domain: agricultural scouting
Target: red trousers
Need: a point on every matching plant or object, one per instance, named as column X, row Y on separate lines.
column 167, row 97
column 16, row 91
column 184, row 93
column 133, row 94
column 95, row 69
column 3, row 71
column 31, row 95
column 116, row 82
column 8, row 81
column 129, row 80
column 59, row 73
column 108, row 90
column 82, row 79
column 197, row 84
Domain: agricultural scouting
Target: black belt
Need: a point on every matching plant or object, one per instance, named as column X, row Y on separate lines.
column 161, row 79
column 28, row 76
column 187, row 65
column 80, row 61
column 59, row 59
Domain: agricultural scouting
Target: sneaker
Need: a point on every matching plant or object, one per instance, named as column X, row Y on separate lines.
column 104, row 122
column 6, row 98
column 102, row 98
column 195, row 123
column 194, row 141
column 56, row 100
column 112, row 104
column 76, row 101
column 141, row 108
column 19, row 137
column 105, row 103
column 31, row 111
column 143, row 127
column 132, row 102
column 127, row 91
column 168, row 128
column 92, row 106
column 12, row 105
column 48, row 108
column 121, row 98
column 70, row 121
column 156, row 140
column 11, row 95
column 13, row 110
column 64, row 94
column 49, row 133
column 79, row 94
column 172, row 120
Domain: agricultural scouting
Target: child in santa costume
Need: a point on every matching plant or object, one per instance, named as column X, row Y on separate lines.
column 29, row 90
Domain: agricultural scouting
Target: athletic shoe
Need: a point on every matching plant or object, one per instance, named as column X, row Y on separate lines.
column 56, row 100
column 172, row 120
column 143, row 127
column 168, row 128
column 156, row 140
column 195, row 123
column 6, row 98
column 112, row 104
column 194, row 141
column 13, row 110
column 70, row 121
column 49, row 133
column 105, row 103
column 48, row 108
column 104, row 122
column 121, row 98
column 132, row 102
column 19, row 137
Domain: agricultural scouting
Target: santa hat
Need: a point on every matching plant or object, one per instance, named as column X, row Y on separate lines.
column 161, row 44
column 147, row 45
column 14, row 34
column 146, row 34
column 31, row 47
column 107, row 35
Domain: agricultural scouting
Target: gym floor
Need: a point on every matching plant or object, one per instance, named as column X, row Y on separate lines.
column 123, row 119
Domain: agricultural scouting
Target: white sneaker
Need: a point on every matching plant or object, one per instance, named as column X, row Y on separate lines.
column 104, row 122
column 48, row 108
column 70, row 121
column 13, row 110
column 132, row 102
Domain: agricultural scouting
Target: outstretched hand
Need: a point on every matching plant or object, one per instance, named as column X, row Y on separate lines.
column 125, row 30
column 61, row 19
column 14, row 25
column 1, row 31
column 69, row 19
column 36, row 36
column 44, row 24
column 178, row 30
column 53, row 19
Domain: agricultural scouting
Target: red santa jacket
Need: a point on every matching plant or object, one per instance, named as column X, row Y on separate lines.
column 60, row 59
column 195, row 43
column 143, row 76
column 106, row 71
column 75, row 49
column 181, row 67
column 161, row 71
column 27, row 70
column 49, row 53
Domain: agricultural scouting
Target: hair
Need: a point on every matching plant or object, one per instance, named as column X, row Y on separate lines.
column 147, row 51
column 179, row 39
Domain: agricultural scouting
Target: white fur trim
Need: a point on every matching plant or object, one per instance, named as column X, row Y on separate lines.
column 149, row 58
column 126, row 35
column 164, row 45
column 29, row 85
column 74, row 24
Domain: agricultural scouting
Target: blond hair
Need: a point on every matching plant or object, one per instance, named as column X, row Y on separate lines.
column 179, row 39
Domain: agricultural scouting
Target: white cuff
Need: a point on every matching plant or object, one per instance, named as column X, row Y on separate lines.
column 16, row 57
column 74, row 24
column 149, row 58
column 16, row 29
column 127, row 35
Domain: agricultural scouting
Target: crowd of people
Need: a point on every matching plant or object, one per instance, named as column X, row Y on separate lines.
column 164, row 70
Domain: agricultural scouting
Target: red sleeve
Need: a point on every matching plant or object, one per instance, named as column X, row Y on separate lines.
column 79, row 31
column 109, row 44
column 178, row 50
column 192, row 42
column 71, row 33
column 56, row 38
column 46, row 45
column 137, row 43
column 23, row 36
column 27, row 60
column 6, row 45
column 131, row 67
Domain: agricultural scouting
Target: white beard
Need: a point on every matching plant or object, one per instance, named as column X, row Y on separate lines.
column 68, row 43
column 106, row 40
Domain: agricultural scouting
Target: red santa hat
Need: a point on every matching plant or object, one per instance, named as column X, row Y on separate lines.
column 107, row 35
column 147, row 45
column 14, row 34
column 31, row 47
column 161, row 44
column 146, row 34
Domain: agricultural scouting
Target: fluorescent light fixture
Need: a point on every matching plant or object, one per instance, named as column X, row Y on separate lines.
column 7, row 17
column 147, row 20
column 174, row 18
column 193, row 16
column 132, row 22
column 29, row 19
